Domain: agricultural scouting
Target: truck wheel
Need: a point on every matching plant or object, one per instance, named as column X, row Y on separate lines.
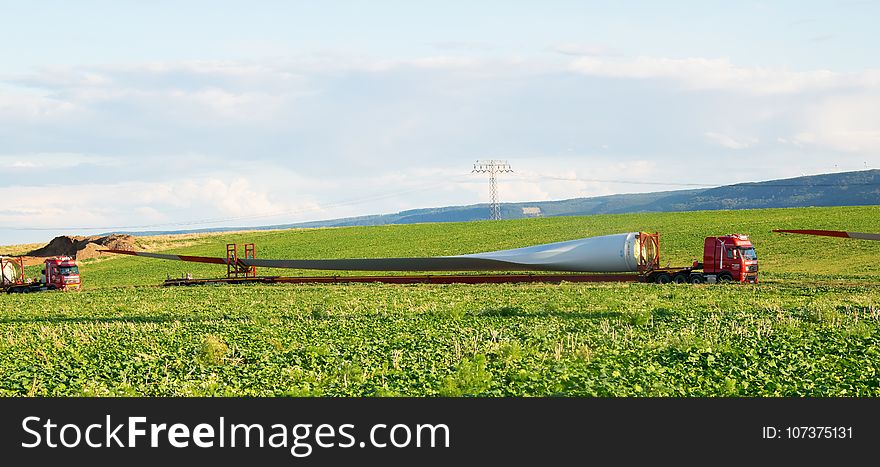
column 680, row 278
column 695, row 279
column 725, row 277
column 662, row 278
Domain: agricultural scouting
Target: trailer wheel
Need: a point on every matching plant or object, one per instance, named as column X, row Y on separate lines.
column 662, row 278
column 695, row 279
column 680, row 278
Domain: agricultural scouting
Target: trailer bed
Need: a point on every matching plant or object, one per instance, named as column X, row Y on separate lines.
column 415, row 279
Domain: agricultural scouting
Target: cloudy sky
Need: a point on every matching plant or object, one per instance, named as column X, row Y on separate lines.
column 160, row 115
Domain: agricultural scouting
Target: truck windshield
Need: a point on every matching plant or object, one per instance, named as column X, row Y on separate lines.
column 748, row 253
column 68, row 270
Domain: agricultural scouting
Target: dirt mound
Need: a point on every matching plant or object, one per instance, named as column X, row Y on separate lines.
column 85, row 247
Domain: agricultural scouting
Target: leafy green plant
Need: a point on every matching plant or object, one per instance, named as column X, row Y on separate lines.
column 470, row 378
column 212, row 351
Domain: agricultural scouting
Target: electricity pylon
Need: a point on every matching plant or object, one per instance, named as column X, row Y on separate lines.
column 493, row 168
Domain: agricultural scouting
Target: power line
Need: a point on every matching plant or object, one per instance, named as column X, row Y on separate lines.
column 703, row 185
column 627, row 182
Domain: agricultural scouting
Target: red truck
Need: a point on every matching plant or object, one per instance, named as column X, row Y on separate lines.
column 728, row 258
column 58, row 273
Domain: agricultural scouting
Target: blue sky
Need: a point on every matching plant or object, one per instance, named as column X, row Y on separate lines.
column 162, row 115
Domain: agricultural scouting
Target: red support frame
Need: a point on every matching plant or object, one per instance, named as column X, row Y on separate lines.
column 250, row 252
column 234, row 267
column 231, row 260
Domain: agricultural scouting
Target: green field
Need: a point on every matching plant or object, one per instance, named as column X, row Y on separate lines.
column 811, row 327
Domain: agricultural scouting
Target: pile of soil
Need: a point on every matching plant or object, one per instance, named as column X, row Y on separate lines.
column 85, row 247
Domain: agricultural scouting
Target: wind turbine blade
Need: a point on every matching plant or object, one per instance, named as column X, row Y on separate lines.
column 193, row 259
column 864, row 236
column 833, row 233
column 607, row 253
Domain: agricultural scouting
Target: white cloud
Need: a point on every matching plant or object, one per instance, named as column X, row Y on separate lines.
column 444, row 63
column 133, row 203
column 729, row 141
column 33, row 107
column 845, row 123
column 208, row 93
column 464, row 45
column 52, row 160
column 230, row 105
column 150, row 215
column 821, row 108
column 236, row 197
column 720, row 74
column 580, row 49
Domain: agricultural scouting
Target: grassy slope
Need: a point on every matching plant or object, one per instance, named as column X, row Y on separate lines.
column 780, row 337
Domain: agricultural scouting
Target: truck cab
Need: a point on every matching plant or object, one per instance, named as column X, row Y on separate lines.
column 730, row 258
column 60, row 273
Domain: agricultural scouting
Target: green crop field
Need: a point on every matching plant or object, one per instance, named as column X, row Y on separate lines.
column 811, row 327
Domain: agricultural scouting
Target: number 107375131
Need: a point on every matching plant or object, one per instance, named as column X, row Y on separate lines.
column 807, row 432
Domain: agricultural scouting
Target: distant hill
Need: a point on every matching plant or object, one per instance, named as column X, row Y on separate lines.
column 859, row 188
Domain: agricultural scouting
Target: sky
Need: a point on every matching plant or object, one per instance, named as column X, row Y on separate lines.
column 160, row 115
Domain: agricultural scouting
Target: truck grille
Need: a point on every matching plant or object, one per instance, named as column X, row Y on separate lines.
column 752, row 268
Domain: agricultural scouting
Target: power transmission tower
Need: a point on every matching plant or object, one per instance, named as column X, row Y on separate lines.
column 493, row 168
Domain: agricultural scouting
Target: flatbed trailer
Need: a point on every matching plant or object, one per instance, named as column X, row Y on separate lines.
column 657, row 275
column 415, row 279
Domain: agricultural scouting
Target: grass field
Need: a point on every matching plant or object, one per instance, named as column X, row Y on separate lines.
column 811, row 327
